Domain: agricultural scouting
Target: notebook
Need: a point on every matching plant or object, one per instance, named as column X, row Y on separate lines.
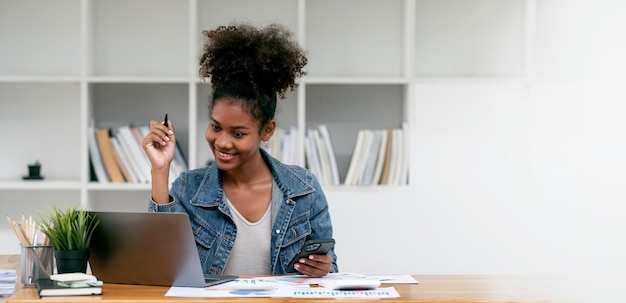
column 147, row 248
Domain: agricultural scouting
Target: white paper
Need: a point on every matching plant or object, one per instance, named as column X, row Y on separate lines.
column 283, row 291
column 401, row 279
column 306, row 280
column 249, row 288
column 277, row 287
column 320, row 292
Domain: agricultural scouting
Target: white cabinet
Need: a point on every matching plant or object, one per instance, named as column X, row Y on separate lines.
column 111, row 63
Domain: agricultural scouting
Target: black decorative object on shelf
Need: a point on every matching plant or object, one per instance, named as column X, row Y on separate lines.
column 34, row 172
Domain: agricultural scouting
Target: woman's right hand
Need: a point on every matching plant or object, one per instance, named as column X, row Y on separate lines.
column 160, row 144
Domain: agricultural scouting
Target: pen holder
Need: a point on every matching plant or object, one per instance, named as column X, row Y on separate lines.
column 36, row 263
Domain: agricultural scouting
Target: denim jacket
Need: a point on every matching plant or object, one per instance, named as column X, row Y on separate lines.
column 299, row 212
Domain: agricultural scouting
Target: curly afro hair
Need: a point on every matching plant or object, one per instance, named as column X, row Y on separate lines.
column 252, row 64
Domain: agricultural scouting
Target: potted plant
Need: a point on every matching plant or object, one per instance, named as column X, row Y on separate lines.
column 34, row 171
column 34, row 168
column 69, row 232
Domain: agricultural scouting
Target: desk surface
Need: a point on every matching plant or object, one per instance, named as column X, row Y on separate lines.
column 431, row 289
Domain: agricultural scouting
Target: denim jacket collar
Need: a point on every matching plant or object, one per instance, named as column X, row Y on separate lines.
column 289, row 183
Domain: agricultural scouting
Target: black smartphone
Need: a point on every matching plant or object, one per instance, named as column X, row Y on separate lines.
column 311, row 247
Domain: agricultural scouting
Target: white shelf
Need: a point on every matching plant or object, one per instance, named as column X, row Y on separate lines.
column 375, row 69
column 41, row 123
column 469, row 38
column 354, row 38
column 95, row 186
column 43, row 185
column 137, row 79
column 125, row 69
column 139, row 38
column 39, row 79
column 355, row 80
column 40, row 38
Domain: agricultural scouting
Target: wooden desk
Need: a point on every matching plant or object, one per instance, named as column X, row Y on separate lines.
column 431, row 289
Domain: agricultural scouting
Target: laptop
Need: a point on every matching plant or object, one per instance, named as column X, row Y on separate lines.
column 146, row 248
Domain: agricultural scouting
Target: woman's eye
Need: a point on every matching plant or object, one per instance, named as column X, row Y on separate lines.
column 215, row 127
column 237, row 134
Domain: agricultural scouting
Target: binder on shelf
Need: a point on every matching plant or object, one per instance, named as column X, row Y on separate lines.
column 290, row 150
column 363, row 157
column 396, row 156
column 330, row 151
column 127, row 135
column 108, row 155
column 380, row 158
column 132, row 162
column 119, row 162
column 92, row 172
column 123, row 162
column 404, row 172
column 384, row 178
column 312, row 157
column 370, row 158
column 95, row 157
column 324, row 158
column 355, row 161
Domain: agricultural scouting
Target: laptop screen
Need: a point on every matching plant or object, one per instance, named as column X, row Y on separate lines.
column 145, row 249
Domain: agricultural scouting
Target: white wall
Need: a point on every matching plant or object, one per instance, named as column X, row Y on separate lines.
column 508, row 179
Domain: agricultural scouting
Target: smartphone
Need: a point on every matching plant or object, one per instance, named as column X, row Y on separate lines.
column 311, row 247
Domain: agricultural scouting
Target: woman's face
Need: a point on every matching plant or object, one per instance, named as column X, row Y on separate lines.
column 233, row 134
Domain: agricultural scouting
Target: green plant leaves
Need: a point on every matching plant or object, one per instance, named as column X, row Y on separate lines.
column 69, row 229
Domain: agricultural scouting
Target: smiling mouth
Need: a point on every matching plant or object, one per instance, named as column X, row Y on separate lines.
column 224, row 155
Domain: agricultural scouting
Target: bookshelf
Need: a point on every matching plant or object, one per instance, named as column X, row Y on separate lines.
column 466, row 76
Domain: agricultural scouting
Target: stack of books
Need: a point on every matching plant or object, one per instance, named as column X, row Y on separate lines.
column 8, row 279
column 319, row 152
column 71, row 284
column 320, row 155
column 284, row 145
column 116, row 155
column 380, row 157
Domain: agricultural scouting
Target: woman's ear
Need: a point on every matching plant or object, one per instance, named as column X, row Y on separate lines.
column 268, row 130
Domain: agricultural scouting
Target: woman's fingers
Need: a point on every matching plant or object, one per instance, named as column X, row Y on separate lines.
column 315, row 266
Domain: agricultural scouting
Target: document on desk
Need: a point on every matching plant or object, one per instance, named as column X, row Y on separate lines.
column 320, row 292
column 250, row 288
column 302, row 279
column 401, row 279
column 270, row 287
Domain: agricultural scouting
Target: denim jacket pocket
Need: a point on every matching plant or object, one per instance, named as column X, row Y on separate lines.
column 297, row 230
column 296, row 234
column 205, row 239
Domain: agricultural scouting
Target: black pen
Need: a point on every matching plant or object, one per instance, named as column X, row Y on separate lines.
column 165, row 121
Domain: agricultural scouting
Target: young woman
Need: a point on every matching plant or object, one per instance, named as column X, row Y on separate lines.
column 250, row 213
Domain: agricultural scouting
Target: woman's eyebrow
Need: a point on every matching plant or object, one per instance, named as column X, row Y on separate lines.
column 236, row 127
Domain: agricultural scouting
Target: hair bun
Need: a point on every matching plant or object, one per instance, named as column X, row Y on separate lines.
column 267, row 59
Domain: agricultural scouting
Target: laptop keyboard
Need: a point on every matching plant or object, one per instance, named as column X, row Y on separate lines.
column 211, row 280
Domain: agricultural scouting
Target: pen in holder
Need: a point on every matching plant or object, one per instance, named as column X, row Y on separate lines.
column 36, row 263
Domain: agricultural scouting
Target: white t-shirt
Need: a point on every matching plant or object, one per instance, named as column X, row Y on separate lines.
column 251, row 251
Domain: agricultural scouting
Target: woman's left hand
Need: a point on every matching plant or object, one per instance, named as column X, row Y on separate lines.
column 315, row 266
